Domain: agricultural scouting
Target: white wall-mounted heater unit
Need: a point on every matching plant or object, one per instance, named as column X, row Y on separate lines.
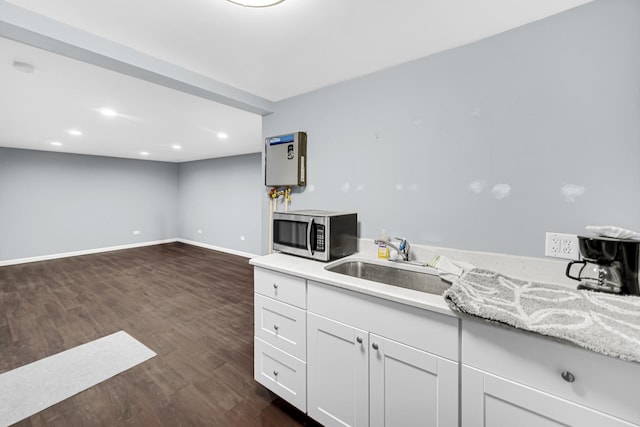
column 285, row 160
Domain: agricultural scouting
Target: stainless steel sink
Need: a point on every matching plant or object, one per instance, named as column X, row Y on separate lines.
column 392, row 274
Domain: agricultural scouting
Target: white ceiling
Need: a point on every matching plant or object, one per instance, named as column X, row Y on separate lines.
column 274, row 53
column 64, row 94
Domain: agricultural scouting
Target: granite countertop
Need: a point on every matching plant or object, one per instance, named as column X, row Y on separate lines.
column 315, row 270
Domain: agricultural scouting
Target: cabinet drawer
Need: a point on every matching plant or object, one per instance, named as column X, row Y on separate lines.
column 490, row 401
column 281, row 287
column 281, row 373
column 601, row 382
column 281, row 325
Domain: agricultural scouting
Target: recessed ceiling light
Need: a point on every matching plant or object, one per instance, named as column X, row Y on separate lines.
column 108, row 112
column 256, row 3
column 56, row 143
column 176, row 147
column 144, row 153
column 74, row 132
column 222, row 135
column 23, row 67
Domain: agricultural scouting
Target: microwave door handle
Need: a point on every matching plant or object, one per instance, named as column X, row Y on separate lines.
column 309, row 231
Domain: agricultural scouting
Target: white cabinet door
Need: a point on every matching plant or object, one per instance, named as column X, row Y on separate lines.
column 410, row 387
column 337, row 373
column 491, row 401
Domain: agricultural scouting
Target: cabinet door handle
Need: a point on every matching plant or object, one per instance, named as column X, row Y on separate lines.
column 275, row 286
column 568, row 376
column 276, row 327
column 359, row 339
column 375, row 346
column 275, row 373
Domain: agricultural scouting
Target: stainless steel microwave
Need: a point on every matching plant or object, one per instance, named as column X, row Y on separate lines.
column 315, row 234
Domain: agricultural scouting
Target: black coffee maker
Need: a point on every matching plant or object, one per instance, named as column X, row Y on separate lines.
column 608, row 265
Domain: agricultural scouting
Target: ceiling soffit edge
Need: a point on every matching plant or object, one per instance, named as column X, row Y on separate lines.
column 35, row 30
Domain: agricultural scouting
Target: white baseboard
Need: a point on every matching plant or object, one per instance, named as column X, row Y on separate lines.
column 217, row 248
column 120, row 247
column 83, row 252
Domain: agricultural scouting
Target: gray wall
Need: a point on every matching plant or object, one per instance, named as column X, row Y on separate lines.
column 222, row 197
column 426, row 149
column 54, row 203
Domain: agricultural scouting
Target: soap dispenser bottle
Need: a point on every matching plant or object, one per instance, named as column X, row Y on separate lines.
column 383, row 249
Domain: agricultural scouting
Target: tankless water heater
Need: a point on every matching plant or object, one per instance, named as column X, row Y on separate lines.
column 285, row 160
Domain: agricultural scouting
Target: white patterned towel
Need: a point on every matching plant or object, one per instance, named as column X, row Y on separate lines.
column 604, row 323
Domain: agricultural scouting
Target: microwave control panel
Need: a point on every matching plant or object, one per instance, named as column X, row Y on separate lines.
column 319, row 238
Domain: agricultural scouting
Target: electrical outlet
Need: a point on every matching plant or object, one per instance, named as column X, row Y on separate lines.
column 559, row 245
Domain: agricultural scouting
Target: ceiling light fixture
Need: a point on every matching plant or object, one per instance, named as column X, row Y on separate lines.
column 74, row 132
column 255, row 3
column 56, row 143
column 108, row 112
column 144, row 153
column 222, row 135
column 23, row 67
column 176, row 147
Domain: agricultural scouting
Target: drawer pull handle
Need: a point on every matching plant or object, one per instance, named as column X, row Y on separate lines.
column 359, row 339
column 276, row 327
column 375, row 346
column 568, row 376
column 275, row 373
column 275, row 286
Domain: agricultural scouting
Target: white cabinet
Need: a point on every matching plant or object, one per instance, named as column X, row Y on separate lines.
column 359, row 374
column 351, row 359
column 281, row 325
column 492, row 401
column 280, row 287
column 512, row 377
column 281, row 373
column 409, row 387
column 280, row 340
column 338, row 373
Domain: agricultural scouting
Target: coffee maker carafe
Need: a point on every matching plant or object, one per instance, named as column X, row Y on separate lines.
column 608, row 265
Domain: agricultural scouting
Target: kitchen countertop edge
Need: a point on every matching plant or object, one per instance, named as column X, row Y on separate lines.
column 315, row 270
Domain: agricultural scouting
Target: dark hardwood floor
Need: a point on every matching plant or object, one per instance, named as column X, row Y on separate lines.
column 192, row 306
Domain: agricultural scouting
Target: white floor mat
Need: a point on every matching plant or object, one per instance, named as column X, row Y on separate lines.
column 31, row 388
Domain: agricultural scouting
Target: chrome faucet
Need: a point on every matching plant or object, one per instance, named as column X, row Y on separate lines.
column 402, row 249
